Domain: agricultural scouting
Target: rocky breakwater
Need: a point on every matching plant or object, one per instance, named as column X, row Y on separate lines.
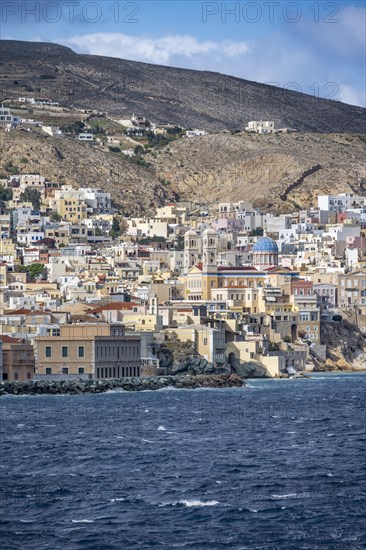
column 75, row 387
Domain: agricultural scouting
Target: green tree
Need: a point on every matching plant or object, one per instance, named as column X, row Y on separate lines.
column 257, row 232
column 74, row 128
column 33, row 196
column 116, row 228
column 139, row 150
column 11, row 168
column 34, row 271
column 179, row 243
column 55, row 217
column 6, row 194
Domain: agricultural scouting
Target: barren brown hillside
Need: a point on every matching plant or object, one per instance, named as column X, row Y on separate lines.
column 261, row 167
column 207, row 169
column 83, row 165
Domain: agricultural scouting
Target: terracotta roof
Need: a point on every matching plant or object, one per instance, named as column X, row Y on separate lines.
column 20, row 312
column 9, row 340
column 240, row 268
column 115, row 306
column 26, row 312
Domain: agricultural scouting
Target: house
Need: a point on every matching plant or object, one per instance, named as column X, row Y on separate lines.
column 7, row 118
column 86, row 137
column 261, row 126
column 195, row 133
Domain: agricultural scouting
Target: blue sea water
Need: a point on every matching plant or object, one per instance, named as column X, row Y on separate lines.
column 279, row 464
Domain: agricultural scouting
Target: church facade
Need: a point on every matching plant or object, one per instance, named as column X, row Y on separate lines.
column 203, row 275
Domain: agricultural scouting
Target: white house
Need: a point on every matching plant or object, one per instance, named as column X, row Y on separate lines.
column 261, row 126
column 86, row 137
column 194, row 133
column 6, row 118
column 337, row 203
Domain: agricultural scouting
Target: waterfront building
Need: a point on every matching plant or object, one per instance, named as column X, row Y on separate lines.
column 88, row 350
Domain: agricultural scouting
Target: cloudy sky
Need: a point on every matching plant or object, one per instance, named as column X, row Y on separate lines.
column 317, row 47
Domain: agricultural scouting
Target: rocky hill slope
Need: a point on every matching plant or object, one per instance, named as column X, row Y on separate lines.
column 279, row 172
column 135, row 188
column 191, row 98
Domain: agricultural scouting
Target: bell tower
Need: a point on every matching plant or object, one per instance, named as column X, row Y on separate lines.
column 191, row 250
column 209, row 250
column 209, row 263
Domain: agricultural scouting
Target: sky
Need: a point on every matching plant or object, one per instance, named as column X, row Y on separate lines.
column 315, row 47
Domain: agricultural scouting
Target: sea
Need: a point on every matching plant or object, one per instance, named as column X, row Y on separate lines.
column 279, row 464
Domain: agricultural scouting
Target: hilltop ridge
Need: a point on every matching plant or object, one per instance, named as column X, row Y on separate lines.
column 197, row 99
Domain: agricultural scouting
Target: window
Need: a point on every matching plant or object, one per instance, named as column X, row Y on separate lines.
column 65, row 370
column 81, row 351
column 81, row 370
column 16, row 376
column 48, row 370
column 48, row 351
column 65, row 351
column 205, row 341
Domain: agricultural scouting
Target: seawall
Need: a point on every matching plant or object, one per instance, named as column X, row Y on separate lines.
column 75, row 387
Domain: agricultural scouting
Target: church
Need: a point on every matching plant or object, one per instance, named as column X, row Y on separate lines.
column 202, row 274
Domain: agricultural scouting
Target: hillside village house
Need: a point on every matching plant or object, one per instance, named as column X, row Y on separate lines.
column 261, row 126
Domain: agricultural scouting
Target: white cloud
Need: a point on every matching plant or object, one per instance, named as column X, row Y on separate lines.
column 165, row 50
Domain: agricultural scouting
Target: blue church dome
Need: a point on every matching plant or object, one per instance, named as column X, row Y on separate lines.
column 265, row 244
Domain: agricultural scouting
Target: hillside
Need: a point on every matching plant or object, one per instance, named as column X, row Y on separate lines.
column 135, row 188
column 218, row 167
column 262, row 168
column 196, row 99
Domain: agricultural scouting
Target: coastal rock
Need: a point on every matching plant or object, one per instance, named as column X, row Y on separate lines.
column 76, row 387
column 249, row 369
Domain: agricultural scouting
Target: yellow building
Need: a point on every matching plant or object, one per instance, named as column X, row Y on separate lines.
column 7, row 250
column 71, row 206
column 201, row 278
column 199, row 284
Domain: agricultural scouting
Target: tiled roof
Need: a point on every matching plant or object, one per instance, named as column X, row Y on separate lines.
column 115, row 306
column 9, row 340
column 240, row 268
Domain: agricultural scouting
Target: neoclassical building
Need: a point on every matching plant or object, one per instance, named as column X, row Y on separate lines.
column 202, row 274
column 265, row 253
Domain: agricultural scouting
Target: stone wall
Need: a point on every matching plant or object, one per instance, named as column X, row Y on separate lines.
column 75, row 387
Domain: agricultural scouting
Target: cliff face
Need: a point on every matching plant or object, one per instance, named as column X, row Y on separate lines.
column 346, row 345
column 195, row 99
